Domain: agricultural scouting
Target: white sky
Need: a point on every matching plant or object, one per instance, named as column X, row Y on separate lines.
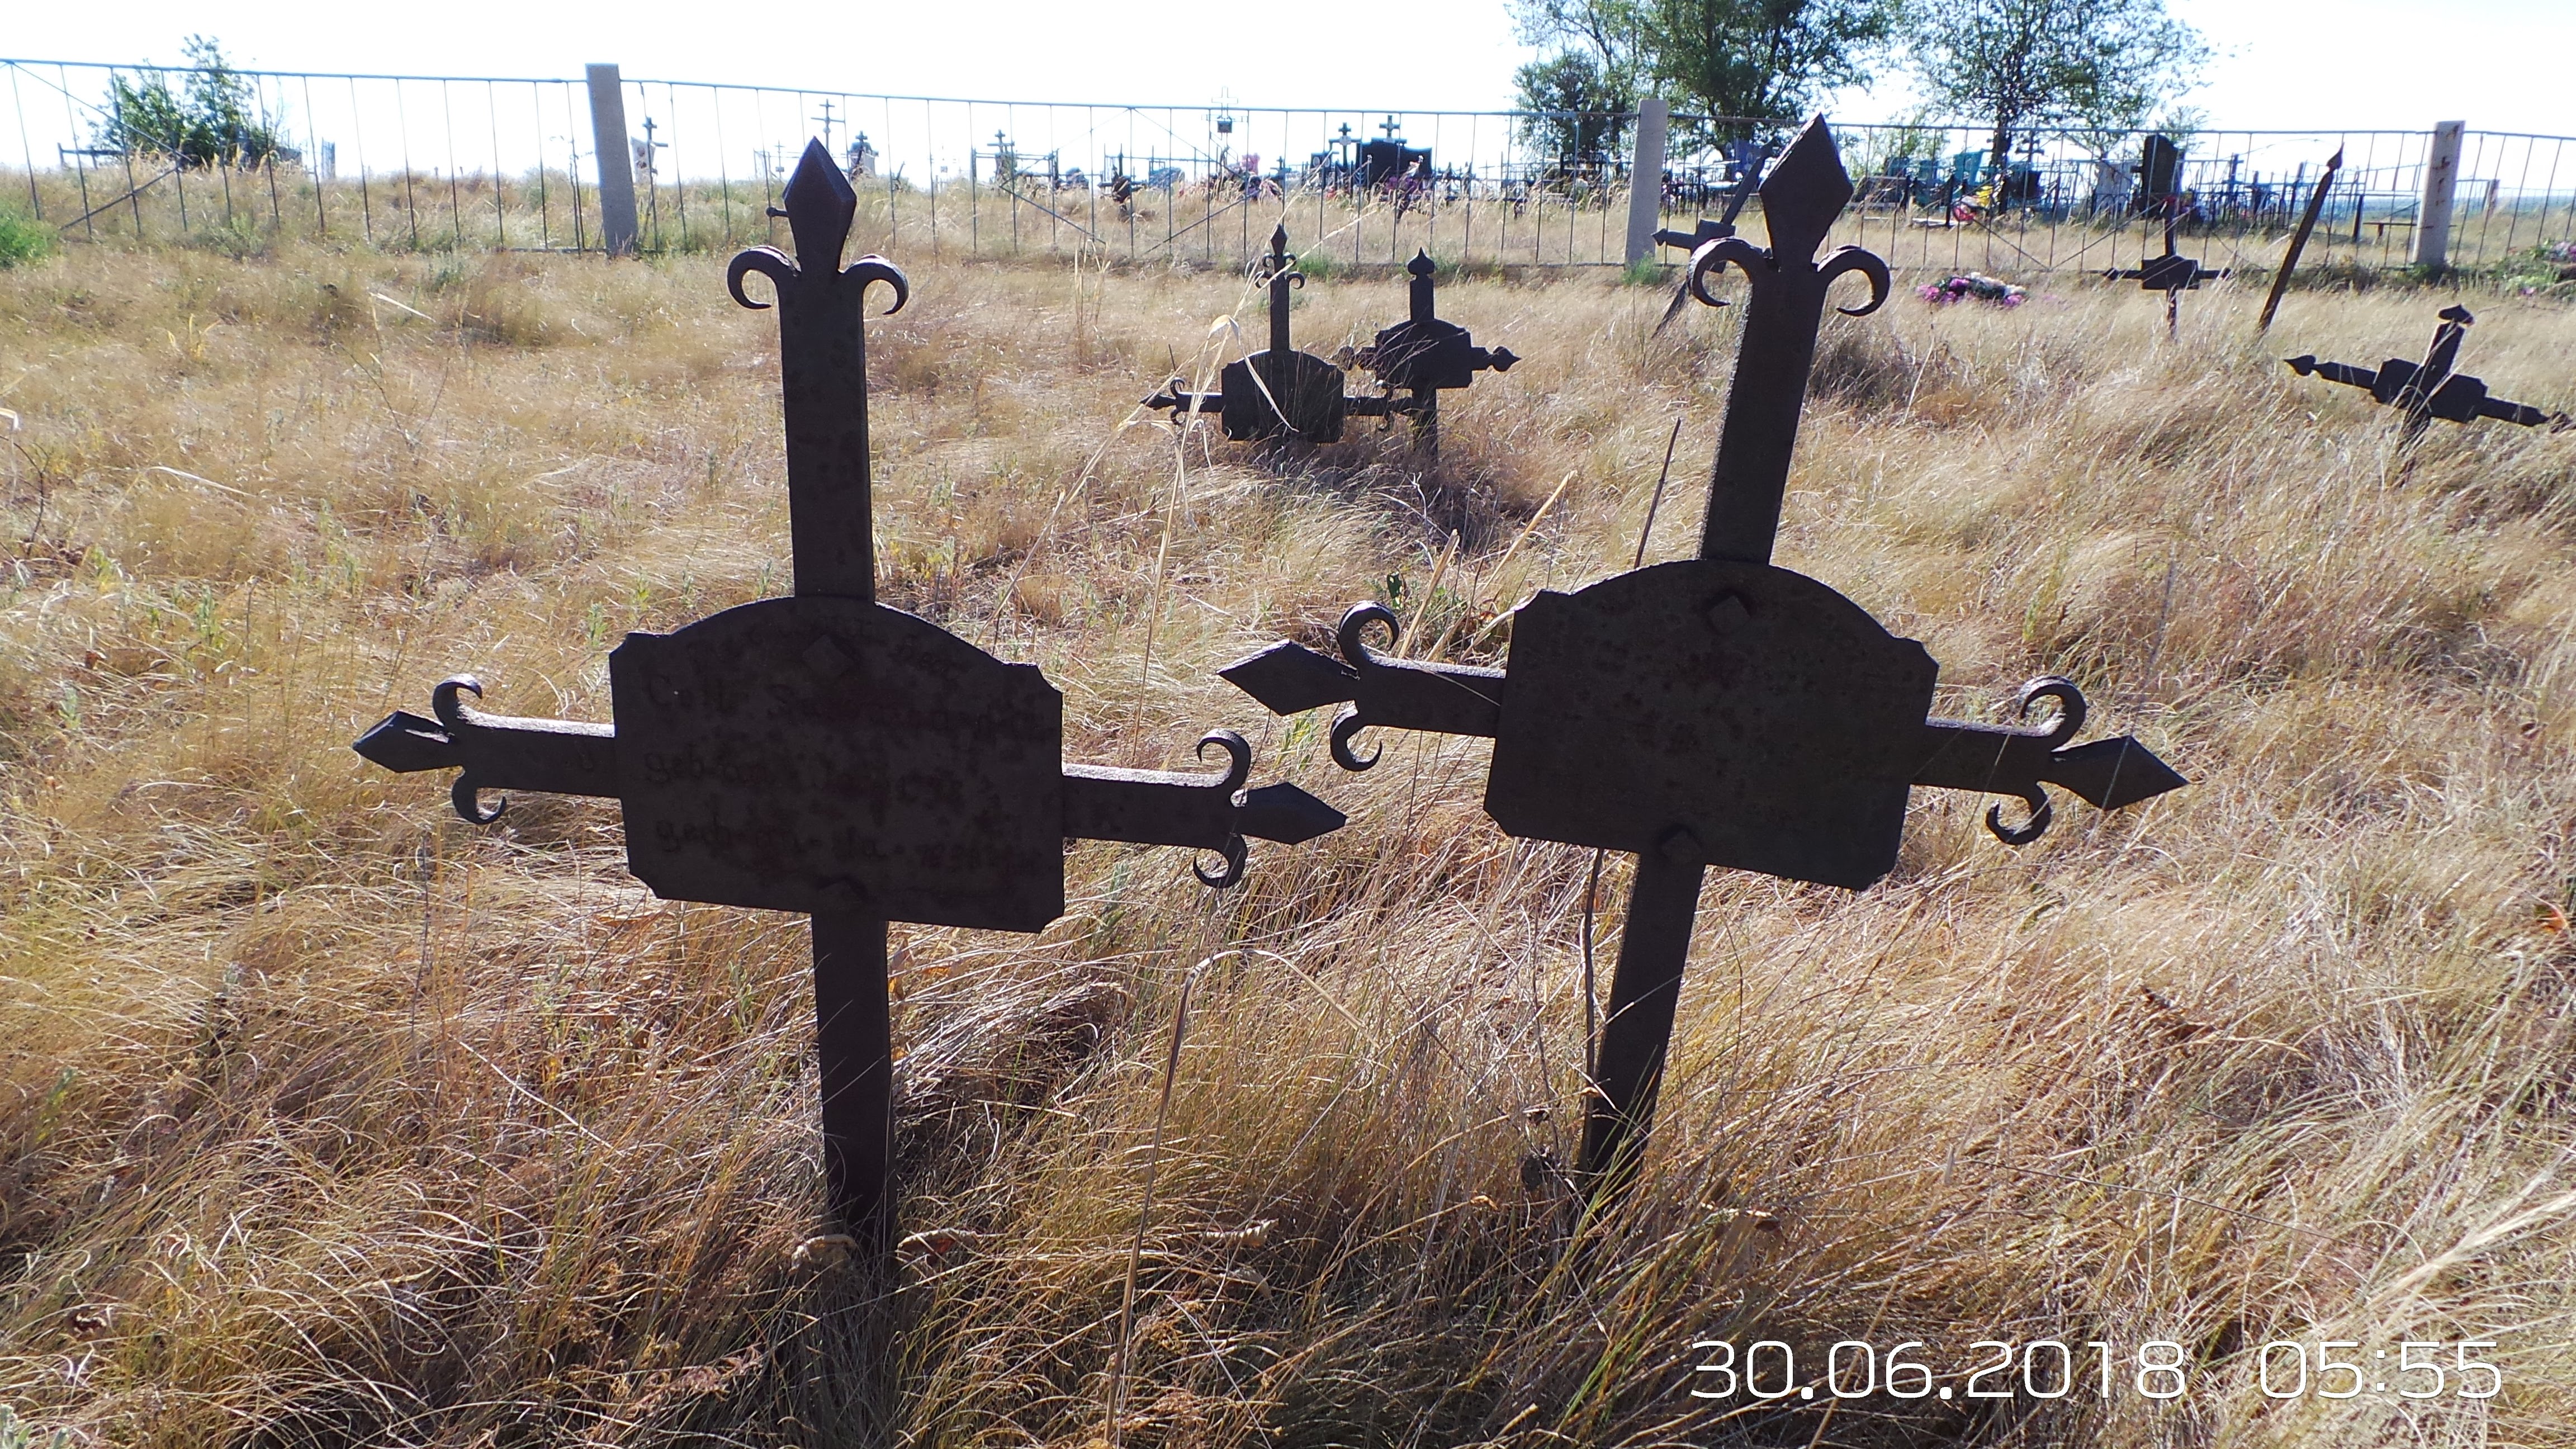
column 2322, row 64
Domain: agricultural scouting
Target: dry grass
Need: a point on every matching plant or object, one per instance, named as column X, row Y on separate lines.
column 325, row 1119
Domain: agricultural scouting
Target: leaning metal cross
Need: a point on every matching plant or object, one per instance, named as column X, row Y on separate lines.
column 2429, row 389
column 827, row 754
column 1715, row 711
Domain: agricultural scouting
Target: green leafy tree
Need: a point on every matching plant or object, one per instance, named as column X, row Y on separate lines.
column 1573, row 109
column 215, row 120
column 1748, row 62
column 2100, row 65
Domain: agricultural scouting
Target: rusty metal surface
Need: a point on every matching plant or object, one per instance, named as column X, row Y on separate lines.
column 1727, row 714
column 823, row 367
column 825, row 754
column 2423, row 391
column 1783, row 310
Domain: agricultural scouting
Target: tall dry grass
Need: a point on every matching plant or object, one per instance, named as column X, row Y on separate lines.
column 326, row 1119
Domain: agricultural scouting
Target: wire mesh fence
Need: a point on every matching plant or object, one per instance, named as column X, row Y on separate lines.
column 476, row 162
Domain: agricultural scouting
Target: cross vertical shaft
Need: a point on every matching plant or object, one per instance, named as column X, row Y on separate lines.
column 823, row 367
column 1801, row 198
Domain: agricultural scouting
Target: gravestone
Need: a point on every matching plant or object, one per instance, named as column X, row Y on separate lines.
column 828, row 754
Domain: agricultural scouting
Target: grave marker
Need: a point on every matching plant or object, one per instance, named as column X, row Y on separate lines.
column 1282, row 393
column 2429, row 389
column 1715, row 711
column 2171, row 273
column 825, row 753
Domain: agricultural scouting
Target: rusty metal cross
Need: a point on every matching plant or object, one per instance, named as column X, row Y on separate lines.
column 828, row 754
column 1715, row 711
column 1282, row 393
column 2171, row 274
column 2429, row 389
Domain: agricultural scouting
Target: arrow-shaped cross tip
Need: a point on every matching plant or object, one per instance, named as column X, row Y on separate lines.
column 404, row 742
column 1289, row 678
column 1286, row 814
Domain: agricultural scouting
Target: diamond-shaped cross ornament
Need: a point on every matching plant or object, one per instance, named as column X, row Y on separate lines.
column 1715, row 711
column 828, row 754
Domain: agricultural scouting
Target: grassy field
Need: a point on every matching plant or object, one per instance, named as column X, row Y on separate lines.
column 326, row 1119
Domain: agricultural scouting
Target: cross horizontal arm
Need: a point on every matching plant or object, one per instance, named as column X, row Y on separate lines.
column 1207, row 812
column 2306, row 365
column 495, row 751
column 1407, row 694
column 2001, row 760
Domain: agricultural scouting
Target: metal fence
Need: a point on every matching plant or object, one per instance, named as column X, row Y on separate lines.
column 473, row 162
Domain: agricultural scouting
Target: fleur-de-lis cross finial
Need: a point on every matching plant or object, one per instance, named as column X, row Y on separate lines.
column 822, row 353
column 1803, row 195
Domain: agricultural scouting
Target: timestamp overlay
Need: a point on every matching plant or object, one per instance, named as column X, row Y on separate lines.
column 2144, row 1371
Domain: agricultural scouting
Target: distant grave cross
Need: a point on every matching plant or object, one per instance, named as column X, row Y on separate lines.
column 1281, row 393
column 2429, row 389
column 827, row 754
column 2170, row 273
column 1716, row 711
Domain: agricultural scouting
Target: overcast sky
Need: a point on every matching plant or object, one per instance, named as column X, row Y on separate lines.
column 2326, row 64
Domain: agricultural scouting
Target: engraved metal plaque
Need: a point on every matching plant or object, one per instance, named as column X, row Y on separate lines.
column 828, row 754
column 1764, row 714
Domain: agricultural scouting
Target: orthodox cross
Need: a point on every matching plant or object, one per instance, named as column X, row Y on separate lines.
column 1715, row 711
column 1284, row 393
column 828, row 754
column 2429, row 389
column 2171, row 273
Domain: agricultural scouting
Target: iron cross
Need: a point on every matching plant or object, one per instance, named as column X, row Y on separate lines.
column 2171, row 274
column 2429, row 389
column 825, row 753
column 1716, row 711
column 1285, row 393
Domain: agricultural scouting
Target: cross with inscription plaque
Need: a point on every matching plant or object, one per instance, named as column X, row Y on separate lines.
column 1720, row 710
column 2172, row 273
column 828, row 754
column 1284, row 394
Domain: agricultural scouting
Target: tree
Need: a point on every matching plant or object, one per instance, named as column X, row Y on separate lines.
column 1573, row 109
column 2016, row 64
column 1744, row 60
column 216, row 122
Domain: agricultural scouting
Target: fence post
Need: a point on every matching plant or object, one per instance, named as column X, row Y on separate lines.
column 1646, row 179
column 616, row 158
column 2441, row 179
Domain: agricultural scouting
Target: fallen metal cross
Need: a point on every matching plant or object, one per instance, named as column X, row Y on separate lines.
column 1284, row 393
column 1715, row 711
column 2429, row 389
column 2171, row 274
column 825, row 753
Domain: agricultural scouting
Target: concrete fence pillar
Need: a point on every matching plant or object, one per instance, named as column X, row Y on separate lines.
column 616, row 158
column 2441, row 182
column 1646, row 178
